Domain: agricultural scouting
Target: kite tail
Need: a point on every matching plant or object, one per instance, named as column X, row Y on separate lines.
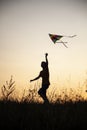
column 64, row 44
column 71, row 36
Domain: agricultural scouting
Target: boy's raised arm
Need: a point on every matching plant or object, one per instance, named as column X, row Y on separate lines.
column 46, row 57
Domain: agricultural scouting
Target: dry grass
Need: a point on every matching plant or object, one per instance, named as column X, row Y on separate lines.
column 55, row 95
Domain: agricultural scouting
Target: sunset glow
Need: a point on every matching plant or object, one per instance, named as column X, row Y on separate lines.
column 24, row 29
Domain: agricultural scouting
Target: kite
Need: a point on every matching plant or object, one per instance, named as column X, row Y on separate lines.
column 55, row 38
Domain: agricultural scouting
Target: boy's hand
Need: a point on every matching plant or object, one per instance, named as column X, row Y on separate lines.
column 31, row 80
column 46, row 54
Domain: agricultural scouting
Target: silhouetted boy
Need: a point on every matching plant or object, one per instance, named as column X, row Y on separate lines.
column 44, row 74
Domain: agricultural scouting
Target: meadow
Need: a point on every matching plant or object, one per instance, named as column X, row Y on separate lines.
column 68, row 111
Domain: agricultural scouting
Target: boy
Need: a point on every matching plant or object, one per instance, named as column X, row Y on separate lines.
column 44, row 74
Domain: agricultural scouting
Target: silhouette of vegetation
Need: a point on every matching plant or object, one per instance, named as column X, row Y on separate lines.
column 65, row 110
column 31, row 116
column 8, row 88
column 31, row 96
column 86, row 82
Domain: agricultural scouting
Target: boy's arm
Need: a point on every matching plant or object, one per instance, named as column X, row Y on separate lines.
column 35, row 78
column 46, row 57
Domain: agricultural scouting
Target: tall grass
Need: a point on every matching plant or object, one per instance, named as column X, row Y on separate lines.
column 55, row 95
column 7, row 89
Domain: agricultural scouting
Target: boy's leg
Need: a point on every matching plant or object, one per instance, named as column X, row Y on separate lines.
column 42, row 93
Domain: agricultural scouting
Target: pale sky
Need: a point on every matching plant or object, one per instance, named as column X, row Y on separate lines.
column 24, row 29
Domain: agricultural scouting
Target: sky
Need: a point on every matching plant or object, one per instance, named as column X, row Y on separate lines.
column 24, row 29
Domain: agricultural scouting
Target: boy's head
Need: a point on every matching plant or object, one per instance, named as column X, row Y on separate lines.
column 43, row 64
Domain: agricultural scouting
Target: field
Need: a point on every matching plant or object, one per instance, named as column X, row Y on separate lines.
column 68, row 111
column 31, row 116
